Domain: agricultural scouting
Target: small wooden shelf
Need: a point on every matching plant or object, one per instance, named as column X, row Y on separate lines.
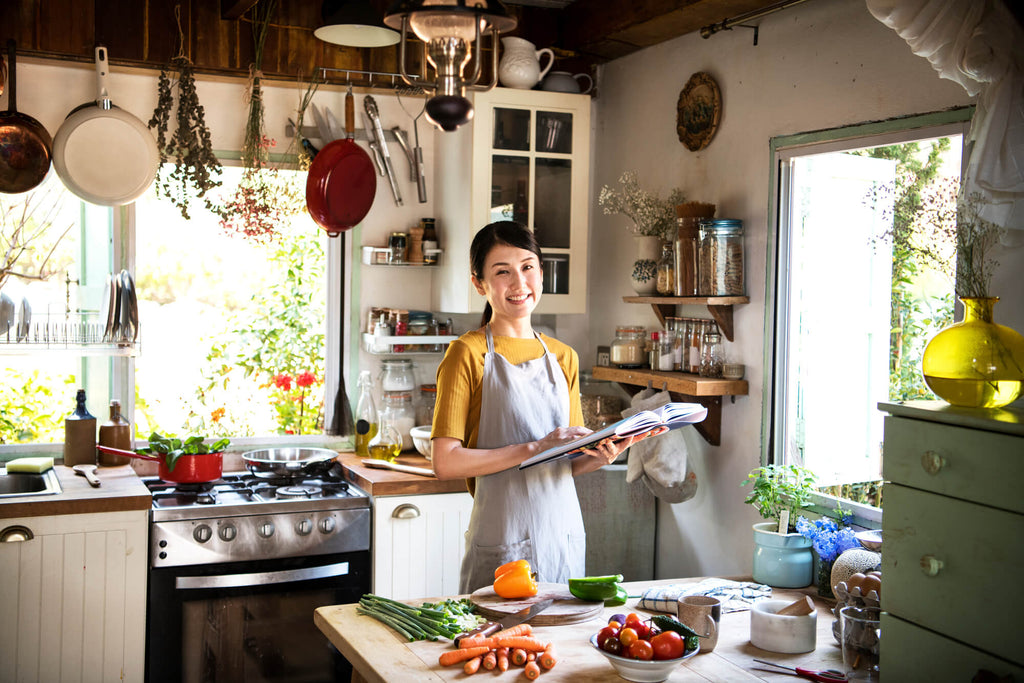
column 720, row 307
column 707, row 391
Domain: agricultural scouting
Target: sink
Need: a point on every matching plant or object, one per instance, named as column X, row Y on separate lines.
column 27, row 484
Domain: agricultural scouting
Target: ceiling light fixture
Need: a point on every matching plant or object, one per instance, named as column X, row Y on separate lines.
column 354, row 23
column 449, row 29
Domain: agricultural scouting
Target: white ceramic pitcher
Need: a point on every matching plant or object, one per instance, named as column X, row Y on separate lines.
column 563, row 81
column 520, row 63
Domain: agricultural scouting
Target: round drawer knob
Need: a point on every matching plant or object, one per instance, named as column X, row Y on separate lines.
column 932, row 462
column 406, row 511
column 202, row 533
column 303, row 527
column 931, row 565
column 327, row 525
column 265, row 530
column 228, row 533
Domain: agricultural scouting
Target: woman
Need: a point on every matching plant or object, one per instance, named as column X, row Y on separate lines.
column 504, row 394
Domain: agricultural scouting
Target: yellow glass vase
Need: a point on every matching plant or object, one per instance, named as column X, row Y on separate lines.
column 975, row 362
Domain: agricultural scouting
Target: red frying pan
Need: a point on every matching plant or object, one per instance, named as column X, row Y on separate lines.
column 342, row 180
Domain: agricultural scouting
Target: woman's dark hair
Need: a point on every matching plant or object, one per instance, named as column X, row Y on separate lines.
column 508, row 233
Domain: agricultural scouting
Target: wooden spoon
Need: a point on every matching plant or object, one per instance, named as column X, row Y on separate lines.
column 89, row 472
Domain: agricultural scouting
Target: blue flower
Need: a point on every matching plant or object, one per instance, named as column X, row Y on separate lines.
column 828, row 539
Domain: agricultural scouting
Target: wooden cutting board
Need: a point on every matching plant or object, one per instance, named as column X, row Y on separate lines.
column 565, row 609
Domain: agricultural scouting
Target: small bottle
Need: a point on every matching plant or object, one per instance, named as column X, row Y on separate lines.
column 381, row 330
column 696, row 331
column 666, row 273
column 115, row 433
column 665, row 350
column 366, row 415
column 80, row 434
column 677, row 344
column 387, row 443
column 654, row 352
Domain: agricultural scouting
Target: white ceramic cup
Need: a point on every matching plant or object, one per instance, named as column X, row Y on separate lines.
column 702, row 613
column 787, row 634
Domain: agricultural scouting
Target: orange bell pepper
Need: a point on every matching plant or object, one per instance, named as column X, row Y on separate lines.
column 510, row 565
column 516, row 581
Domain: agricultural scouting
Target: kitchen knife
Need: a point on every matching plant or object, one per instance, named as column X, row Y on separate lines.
column 523, row 615
column 321, row 125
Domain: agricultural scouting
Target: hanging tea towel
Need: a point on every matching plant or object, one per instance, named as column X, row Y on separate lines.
column 662, row 462
column 736, row 596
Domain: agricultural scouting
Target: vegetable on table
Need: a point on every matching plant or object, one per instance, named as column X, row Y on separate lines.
column 532, row 671
column 517, row 630
column 594, row 588
column 449, row 657
column 516, row 581
column 472, row 665
column 429, row 621
column 547, row 658
column 523, row 643
column 508, row 566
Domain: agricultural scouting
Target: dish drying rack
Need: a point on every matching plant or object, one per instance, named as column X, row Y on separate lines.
column 80, row 332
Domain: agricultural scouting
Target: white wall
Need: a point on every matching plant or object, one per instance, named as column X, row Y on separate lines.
column 819, row 65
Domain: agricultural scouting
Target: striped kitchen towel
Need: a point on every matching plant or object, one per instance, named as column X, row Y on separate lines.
column 736, row 596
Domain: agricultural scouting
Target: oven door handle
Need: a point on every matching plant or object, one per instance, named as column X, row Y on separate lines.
column 260, row 578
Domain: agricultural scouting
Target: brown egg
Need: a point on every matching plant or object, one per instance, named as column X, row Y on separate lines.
column 871, row 583
column 855, row 581
column 875, row 573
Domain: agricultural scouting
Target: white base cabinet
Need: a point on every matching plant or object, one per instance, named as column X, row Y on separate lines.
column 418, row 544
column 74, row 598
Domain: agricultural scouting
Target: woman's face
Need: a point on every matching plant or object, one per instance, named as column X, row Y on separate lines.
column 511, row 281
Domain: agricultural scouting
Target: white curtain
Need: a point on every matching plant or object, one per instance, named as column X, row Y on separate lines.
column 980, row 45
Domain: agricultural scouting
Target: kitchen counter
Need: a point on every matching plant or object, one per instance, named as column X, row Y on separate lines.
column 378, row 482
column 120, row 490
column 380, row 655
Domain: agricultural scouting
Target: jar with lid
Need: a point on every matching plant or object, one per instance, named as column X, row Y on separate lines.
column 721, row 257
column 666, row 273
column 679, row 330
column 425, row 410
column 398, row 411
column 686, row 247
column 627, row 349
column 397, row 375
column 711, row 356
column 397, row 242
column 696, row 332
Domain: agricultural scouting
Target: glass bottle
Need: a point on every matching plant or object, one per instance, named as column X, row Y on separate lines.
column 666, row 274
column 115, row 433
column 387, row 443
column 366, row 415
column 400, row 414
column 711, row 355
column 665, row 356
column 693, row 346
column 654, row 352
column 80, row 434
column 679, row 327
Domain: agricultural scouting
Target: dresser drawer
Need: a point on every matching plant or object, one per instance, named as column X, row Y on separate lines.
column 975, row 594
column 971, row 464
column 911, row 653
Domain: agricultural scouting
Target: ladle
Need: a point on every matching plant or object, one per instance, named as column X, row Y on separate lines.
column 89, row 472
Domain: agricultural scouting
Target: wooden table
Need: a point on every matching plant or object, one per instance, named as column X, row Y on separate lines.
column 380, row 655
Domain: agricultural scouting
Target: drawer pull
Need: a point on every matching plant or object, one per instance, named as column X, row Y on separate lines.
column 931, row 565
column 932, row 462
column 406, row 511
column 15, row 534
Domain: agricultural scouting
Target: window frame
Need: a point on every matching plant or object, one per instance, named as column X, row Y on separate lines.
column 782, row 150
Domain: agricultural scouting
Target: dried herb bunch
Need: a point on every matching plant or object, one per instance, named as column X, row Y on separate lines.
column 195, row 165
column 975, row 238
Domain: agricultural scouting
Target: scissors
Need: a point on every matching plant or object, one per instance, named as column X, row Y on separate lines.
column 824, row 676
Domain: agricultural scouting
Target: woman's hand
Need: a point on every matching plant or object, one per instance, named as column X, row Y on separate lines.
column 560, row 436
column 603, row 453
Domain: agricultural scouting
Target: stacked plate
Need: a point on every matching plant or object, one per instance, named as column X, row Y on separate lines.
column 121, row 315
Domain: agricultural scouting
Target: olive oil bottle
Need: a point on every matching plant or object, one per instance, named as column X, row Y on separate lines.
column 366, row 415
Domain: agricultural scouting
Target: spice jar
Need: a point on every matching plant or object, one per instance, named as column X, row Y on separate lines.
column 666, row 273
column 711, row 357
column 397, row 243
column 721, row 257
column 397, row 375
column 627, row 349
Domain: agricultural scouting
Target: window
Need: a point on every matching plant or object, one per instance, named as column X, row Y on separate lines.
column 234, row 335
column 861, row 284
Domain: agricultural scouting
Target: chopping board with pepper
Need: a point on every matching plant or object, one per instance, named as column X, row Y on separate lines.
column 565, row 608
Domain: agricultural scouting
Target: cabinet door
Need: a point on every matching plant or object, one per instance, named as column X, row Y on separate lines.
column 74, row 598
column 418, row 544
column 911, row 653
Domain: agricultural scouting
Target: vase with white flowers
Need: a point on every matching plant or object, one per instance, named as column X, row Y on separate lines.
column 651, row 219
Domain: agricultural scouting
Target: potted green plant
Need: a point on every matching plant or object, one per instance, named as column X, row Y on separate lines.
column 782, row 560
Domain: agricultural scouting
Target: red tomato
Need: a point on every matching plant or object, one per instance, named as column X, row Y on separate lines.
column 628, row 636
column 641, row 649
column 633, row 619
column 668, row 645
column 615, row 625
column 612, row 646
column 606, row 633
column 643, row 630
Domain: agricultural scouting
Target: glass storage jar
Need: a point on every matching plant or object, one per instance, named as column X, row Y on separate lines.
column 720, row 270
column 397, row 375
column 711, row 358
column 425, row 410
column 399, row 412
column 666, row 274
column 627, row 349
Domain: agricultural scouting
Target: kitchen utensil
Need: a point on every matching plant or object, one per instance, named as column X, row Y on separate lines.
column 404, row 144
column 341, row 184
column 129, row 308
column 201, row 468
column 520, row 63
column 565, row 607
column 802, row 605
column 112, row 312
column 370, row 105
column 288, row 462
column 321, row 125
column 787, row 634
column 563, row 81
column 825, row 676
column 643, row 670
column 25, row 145
column 702, row 613
column 24, row 319
column 398, row 467
column 334, row 126
column 421, row 180
column 102, row 153
column 523, row 615
column 6, row 313
column 89, row 472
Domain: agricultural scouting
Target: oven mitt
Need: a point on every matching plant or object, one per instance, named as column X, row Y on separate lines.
column 661, row 462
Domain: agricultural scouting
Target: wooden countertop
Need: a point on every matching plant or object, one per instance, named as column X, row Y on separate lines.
column 380, row 655
column 379, row 482
column 120, row 489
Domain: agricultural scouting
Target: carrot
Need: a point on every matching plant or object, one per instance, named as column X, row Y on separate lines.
column 531, row 656
column 472, row 665
column 523, row 643
column 517, row 630
column 518, row 656
column 532, row 671
column 456, row 656
column 502, row 658
column 547, row 658
column 489, row 643
column 490, row 660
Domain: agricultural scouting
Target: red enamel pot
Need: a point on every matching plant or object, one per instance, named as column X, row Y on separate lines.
column 201, row 468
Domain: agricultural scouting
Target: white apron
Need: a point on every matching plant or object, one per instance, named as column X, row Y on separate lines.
column 530, row 514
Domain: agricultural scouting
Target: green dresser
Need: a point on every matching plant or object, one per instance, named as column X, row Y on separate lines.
column 953, row 550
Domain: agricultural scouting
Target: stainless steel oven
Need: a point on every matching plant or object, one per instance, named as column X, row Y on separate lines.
column 237, row 568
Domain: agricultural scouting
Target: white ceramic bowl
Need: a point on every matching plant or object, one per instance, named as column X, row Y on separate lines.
column 421, row 439
column 788, row 634
column 642, row 670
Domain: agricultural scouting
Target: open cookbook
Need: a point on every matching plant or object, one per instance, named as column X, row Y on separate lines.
column 646, row 422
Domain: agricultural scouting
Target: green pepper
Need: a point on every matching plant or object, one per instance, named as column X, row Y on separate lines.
column 595, row 588
column 620, row 597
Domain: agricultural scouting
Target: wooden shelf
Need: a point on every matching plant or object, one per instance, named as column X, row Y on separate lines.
column 707, row 391
column 720, row 307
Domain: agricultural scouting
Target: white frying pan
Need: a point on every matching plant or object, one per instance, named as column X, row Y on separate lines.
column 102, row 153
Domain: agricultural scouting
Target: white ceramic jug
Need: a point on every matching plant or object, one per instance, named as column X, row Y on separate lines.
column 563, row 81
column 520, row 63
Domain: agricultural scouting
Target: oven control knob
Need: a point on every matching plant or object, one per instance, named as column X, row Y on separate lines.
column 202, row 533
column 327, row 525
column 265, row 530
column 227, row 533
column 303, row 527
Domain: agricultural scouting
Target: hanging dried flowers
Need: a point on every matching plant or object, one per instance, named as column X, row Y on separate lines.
column 195, row 165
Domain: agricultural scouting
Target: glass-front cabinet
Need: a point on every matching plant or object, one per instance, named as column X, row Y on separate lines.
column 530, row 161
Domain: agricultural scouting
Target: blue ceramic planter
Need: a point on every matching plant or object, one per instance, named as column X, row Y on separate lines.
column 782, row 560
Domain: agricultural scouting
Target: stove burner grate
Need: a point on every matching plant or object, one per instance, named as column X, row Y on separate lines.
column 300, row 491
